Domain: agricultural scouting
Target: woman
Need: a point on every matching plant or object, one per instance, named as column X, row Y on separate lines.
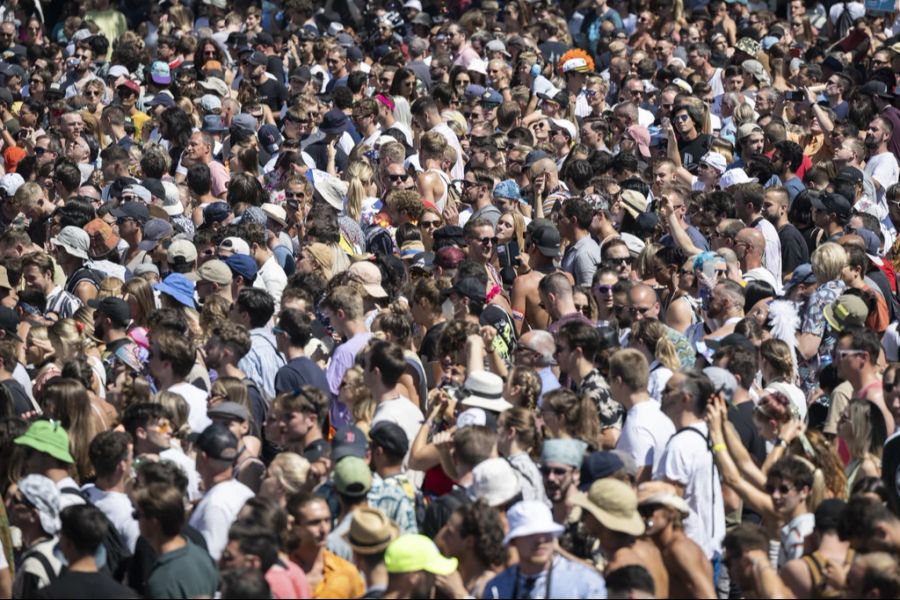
column 585, row 303
column 644, row 37
column 863, row 429
column 69, row 340
column 517, row 17
column 602, row 287
column 67, row 401
column 362, row 192
column 425, row 301
column 779, row 371
column 517, row 440
column 459, row 81
column 286, row 476
column 428, row 223
column 95, row 93
column 357, row 397
column 523, row 387
column 566, row 415
column 511, row 228
column 404, row 84
column 244, row 159
column 650, row 337
column 138, row 293
column 681, row 309
column 40, row 356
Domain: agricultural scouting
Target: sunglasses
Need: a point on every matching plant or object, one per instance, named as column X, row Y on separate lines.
column 402, row 177
column 485, row 241
column 638, row 309
column 430, row 224
column 606, row 290
column 782, row 489
column 623, row 260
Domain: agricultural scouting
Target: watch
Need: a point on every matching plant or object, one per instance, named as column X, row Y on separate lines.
column 780, row 442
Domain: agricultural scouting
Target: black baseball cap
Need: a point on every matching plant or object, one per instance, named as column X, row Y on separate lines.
column 598, row 465
column 9, row 323
column 470, row 287
column 850, row 174
column 448, row 235
column 218, row 442
column 115, row 308
column 831, row 203
column 132, row 210
column 734, row 339
column 547, row 240
column 391, row 437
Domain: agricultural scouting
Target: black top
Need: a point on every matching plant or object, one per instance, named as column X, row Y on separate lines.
column 21, row 402
column 741, row 416
column 299, row 372
column 428, row 348
column 86, row 585
column 693, row 151
column 273, row 94
column 794, row 249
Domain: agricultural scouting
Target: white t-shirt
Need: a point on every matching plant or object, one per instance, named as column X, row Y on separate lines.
column 659, row 376
column 763, row 274
column 69, row 498
column 400, row 411
column 645, row 433
column 272, row 279
column 196, row 401
column 217, row 511
column 118, row 509
column 883, row 168
column 772, row 256
column 793, row 535
column 187, row 464
column 688, row 461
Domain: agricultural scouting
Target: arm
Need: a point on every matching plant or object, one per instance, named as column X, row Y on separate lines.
column 808, row 344
column 424, row 455
column 821, row 114
column 679, row 233
column 695, row 575
column 742, row 459
column 767, row 583
column 519, row 299
column 796, row 576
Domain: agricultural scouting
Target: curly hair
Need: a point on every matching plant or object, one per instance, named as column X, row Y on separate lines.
column 453, row 337
column 483, row 522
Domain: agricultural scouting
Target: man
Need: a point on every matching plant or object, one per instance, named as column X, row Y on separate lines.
column 217, row 450
column 385, row 364
column 182, row 569
column 856, row 357
column 328, row 576
column 22, row 403
column 130, row 219
column 647, row 429
column 690, row 573
column 413, row 562
column 805, row 576
column 532, row 532
column 112, row 124
column 214, row 279
column 536, row 349
column 292, row 335
column 869, row 526
column 794, row 250
column 747, row 558
column 392, row 491
column 253, row 309
column 786, row 160
column 698, row 55
column 831, row 213
column 692, row 144
column 750, row 247
column 172, row 358
column 199, row 150
column 881, row 165
column 617, row 256
column 610, row 513
column 254, row 547
column 34, row 507
column 643, row 303
column 748, row 204
column 526, row 300
column 336, row 60
column 477, row 193
column 111, row 454
column 576, row 346
column 352, row 481
column 673, row 199
column 269, row 90
column 369, row 535
column 270, row 276
column 426, row 114
column 37, row 273
column 556, row 295
column 560, row 463
column 365, row 116
column 582, row 256
column 226, row 347
column 460, row 49
column 83, row 529
column 687, row 462
column 302, row 417
column 112, row 318
column 343, row 307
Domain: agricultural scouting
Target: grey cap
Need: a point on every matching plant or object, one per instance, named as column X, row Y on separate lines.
column 146, row 268
column 722, row 380
column 73, row 240
column 229, row 410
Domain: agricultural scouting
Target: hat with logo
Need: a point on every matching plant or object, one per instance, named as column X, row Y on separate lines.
column 485, row 390
column 103, row 239
column 160, row 73
column 48, row 437
column 370, row 531
column 369, row 276
column 422, row 261
column 214, row 271
column 117, row 309
column 352, row 477
column 495, row 482
column 530, row 517
column 242, row 265
column 348, row 441
column 491, row 98
column 547, row 240
column 614, row 504
column 74, row 240
column 178, row 287
column 847, row 311
column 414, row 552
column 155, row 230
column 269, row 138
column 218, row 443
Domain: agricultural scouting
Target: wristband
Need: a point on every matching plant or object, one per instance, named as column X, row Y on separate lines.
column 779, row 442
column 719, row 448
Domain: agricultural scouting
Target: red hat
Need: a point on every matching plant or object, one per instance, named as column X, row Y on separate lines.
column 128, row 83
column 11, row 158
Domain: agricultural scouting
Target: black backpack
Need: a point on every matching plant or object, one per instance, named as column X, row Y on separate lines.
column 118, row 556
column 844, row 23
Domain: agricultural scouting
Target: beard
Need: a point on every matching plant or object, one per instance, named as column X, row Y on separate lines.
column 871, row 143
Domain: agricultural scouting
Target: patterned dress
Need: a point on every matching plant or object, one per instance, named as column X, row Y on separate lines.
column 612, row 414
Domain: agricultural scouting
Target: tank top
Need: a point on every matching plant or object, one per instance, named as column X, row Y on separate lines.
column 441, row 202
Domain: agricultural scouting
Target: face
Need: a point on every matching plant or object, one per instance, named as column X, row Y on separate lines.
column 847, row 358
column 620, row 258
column 671, row 398
column 506, row 229
column 295, row 425
column 642, row 306
column 314, row 524
column 481, row 245
column 398, row 178
column 754, row 144
column 772, row 208
column 785, row 495
column 683, row 122
column 875, row 134
column 449, row 540
column 537, row 548
column 558, row 478
column 35, row 279
column 71, row 125
column 336, row 62
column 159, row 434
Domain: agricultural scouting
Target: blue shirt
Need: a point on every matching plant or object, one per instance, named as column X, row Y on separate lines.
column 569, row 580
column 261, row 364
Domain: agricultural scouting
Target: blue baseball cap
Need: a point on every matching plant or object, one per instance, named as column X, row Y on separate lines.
column 491, row 97
column 243, row 265
column 179, row 287
column 216, row 212
column 509, row 189
column 598, row 465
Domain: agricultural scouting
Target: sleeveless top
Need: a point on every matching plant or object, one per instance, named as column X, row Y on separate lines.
column 441, row 202
column 816, row 564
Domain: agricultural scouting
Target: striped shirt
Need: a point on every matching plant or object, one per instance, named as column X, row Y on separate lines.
column 62, row 303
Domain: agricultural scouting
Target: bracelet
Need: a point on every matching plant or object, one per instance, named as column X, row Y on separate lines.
column 779, row 442
column 719, row 448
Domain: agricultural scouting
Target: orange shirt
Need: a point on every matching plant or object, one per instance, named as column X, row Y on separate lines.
column 340, row 579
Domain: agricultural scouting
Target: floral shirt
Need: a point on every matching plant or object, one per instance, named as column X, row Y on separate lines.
column 612, row 414
column 814, row 322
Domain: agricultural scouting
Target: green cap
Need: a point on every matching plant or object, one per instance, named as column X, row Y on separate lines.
column 413, row 552
column 48, row 437
column 352, row 477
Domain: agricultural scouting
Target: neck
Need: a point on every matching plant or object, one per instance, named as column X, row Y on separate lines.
column 231, row 370
column 831, row 542
column 311, row 436
column 354, row 327
column 565, row 306
column 169, row 545
column 751, row 262
column 578, row 234
column 800, row 509
column 861, row 378
column 470, row 568
column 686, row 419
column 635, row 398
column 85, row 564
column 212, row 480
column 262, row 256
column 430, row 320
column 114, row 335
column 293, row 352
column 581, row 370
column 385, row 471
column 309, row 556
column 391, row 393
column 113, row 483
column 56, row 474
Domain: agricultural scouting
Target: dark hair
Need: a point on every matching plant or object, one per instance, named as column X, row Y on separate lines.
column 199, row 179
column 793, row 470
column 163, row 472
column 388, row 358
column 483, row 523
column 84, row 526
column 107, row 450
column 67, row 174
column 297, row 325
column 580, row 335
column 744, row 538
column 863, row 339
column 258, row 304
column 580, row 211
column 140, row 415
column 628, row 578
column 757, row 290
column 255, row 539
column 245, row 583
column 741, row 362
column 698, row 386
column 861, row 517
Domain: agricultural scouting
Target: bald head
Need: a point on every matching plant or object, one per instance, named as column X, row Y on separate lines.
column 752, row 238
column 643, row 302
column 542, row 343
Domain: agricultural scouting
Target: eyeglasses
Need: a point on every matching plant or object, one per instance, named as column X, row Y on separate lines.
column 80, row 56
column 782, row 489
column 605, row 290
column 638, row 309
column 681, row 118
column 584, row 309
column 622, row 260
column 39, row 151
column 401, row 177
column 294, row 195
column 429, row 224
column 93, row 93
column 163, row 427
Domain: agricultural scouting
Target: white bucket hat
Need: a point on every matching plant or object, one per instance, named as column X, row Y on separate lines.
column 485, row 390
column 528, row 518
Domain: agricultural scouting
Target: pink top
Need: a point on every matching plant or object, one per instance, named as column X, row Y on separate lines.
column 287, row 582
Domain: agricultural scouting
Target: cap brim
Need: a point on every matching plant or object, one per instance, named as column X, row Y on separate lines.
column 375, row 290
column 633, row 526
column 72, row 251
column 828, row 313
column 148, row 245
column 556, row 530
column 817, row 202
column 490, row 404
column 441, row 565
column 549, row 252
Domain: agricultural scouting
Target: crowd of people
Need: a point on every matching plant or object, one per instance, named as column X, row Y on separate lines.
column 412, row 299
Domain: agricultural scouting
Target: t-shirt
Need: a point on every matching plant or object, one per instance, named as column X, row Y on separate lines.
column 144, row 559
column 217, row 511
column 693, row 151
column 884, row 170
column 688, row 461
column 741, row 416
column 645, row 433
column 76, row 584
column 118, row 509
column 428, row 347
column 188, row 572
column 272, row 93
column 298, row 372
column 21, row 402
column 342, row 359
column 287, row 580
column 772, row 256
column 793, row 535
column 794, row 251
column 196, row 401
column 400, row 411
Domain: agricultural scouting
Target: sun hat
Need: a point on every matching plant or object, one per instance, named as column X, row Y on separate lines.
column 74, row 240
column 669, row 501
column 370, row 277
column 330, row 188
column 48, row 437
column 179, row 287
column 42, row 494
column 847, row 311
column 370, row 531
column 275, row 212
column 414, row 552
column 530, row 517
column 614, row 504
column 103, row 239
column 494, row 481
column 485, row 390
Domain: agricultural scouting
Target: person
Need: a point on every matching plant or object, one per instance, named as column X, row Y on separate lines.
column 369, row 535
column 806, row 576
column 343, row 307
column 301, row 418
column 252, row 546
column 171, row 360
column 182, row 568
column 83, row 529
column 112, row 454
column 292, row 334
column 541, row 570
column 582, row 255
column 536, row 350
column 392, row 491
column 647, row 430
column 746, row 554
column 217, row 510
column 413, row 563
column 254, row 309
column 474, row 536
column 352, row 481
column 34, row 508
column 48, row 454
column 384, row 366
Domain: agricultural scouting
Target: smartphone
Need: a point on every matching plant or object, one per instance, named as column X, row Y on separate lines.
column 794, row 96
column 508, row 254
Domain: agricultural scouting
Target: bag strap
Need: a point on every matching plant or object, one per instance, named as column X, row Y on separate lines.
column 45, row 564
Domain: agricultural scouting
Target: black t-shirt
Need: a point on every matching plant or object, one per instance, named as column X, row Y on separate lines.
column 272, row 93
column 275, row 66
column 552, row 51
column 794, row 250
column 890, row 467
column 428, row 348
column 693, row 151
column 21, row 401
column 319, row 153
column 73, row 584
column 741, row 416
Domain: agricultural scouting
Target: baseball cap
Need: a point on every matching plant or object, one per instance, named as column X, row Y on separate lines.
column 210, row 103
column 508, row 188
column 116, row 309
column 216, row 212
column 414, row 552
column 370, row 278
column 214, row 271
column 160, row 73
column 348, row 441
column 847, row 311
column 103, row 239
column 235, row 245
column 9, row 322
column 390, row 437
column 716, row 161
column 217, row 442
column 213, row 124
column 470, row 287
column 73, row 240
column 564, row 125
column 352, row 476
column 243, row 265
column 181, row 252
column 547, row 240
column 801, row 274
column 155, row 230
column 10, row 183
column 831, row 203
column 613, row 503
column 229, row 410
column 48, row 437
column 598, row 465
column 748, row 129
column 566, row 451
column 257, row 59
column 132, row 210
column 495, row 482
column 269, row 138
column 723, row 380
column 736, row 340
column 851, row 174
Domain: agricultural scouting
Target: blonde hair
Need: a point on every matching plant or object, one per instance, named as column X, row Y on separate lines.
column 518, row 227
column 233, row 389
column 72, row 406
column 361, row 403
column 360, row 174
column 142, row 292
column 529, row 383
column 111, row 287
column 178, row 410
column 653, row 335
column 291, row 471
column 67, row 338
column 827, row 261
column 645, row 260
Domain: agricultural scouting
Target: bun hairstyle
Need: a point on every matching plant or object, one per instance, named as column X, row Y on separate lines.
column 777, row 407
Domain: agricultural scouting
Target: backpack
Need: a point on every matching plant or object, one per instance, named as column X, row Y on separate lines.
column 845, row 22
column 118, row 556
